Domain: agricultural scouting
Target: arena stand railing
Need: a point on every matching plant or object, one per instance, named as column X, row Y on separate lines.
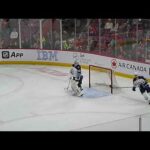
column 120, row 38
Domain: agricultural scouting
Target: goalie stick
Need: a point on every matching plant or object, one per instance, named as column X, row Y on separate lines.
column 68, row 85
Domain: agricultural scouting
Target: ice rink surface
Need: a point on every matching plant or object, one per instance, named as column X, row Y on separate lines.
column 32, row 98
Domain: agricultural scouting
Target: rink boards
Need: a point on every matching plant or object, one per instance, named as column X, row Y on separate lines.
column 121, row 67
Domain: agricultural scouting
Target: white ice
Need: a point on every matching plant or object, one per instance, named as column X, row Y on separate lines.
column 32, row 98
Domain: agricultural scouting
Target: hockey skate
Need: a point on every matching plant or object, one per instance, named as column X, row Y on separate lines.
column 81, row 88
column 80, row 94
column 79, row 91
column 148, row 100
column 145, row 96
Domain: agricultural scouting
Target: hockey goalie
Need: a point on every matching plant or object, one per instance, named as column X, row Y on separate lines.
column 76, row 79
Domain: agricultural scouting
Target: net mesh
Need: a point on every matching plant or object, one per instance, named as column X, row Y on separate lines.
column 102, row 78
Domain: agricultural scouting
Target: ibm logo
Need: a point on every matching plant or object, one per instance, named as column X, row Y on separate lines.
column 47, row 55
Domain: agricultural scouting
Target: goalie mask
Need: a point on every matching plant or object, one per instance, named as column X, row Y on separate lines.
column 76, row 63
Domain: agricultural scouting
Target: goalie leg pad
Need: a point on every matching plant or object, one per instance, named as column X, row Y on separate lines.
column 80, row 93
column 75, row 88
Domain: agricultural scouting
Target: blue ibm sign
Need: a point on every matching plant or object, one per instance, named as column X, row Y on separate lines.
column 47, row 55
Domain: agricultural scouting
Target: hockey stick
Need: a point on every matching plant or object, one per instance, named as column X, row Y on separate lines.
column 103, row 84
column 124, row 87
column 68, row 85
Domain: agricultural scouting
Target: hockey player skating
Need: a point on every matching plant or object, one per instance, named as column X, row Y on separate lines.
column 142, row 83
column 76, row 79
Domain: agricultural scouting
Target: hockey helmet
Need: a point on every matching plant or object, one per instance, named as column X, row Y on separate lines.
column 76, row 62
column 136, row 73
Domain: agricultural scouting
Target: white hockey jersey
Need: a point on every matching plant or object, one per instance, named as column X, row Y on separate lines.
column 139, row 81
column 74, row 73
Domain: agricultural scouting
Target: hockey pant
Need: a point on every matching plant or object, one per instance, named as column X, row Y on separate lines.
column 75, row 88
column 145, row 91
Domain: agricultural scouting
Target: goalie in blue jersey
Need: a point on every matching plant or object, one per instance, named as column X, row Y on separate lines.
column 76, row 79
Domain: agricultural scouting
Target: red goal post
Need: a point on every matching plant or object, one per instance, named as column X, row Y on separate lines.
column 109, row 72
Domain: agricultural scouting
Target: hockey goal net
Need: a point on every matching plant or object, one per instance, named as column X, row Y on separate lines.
column 102, row 78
